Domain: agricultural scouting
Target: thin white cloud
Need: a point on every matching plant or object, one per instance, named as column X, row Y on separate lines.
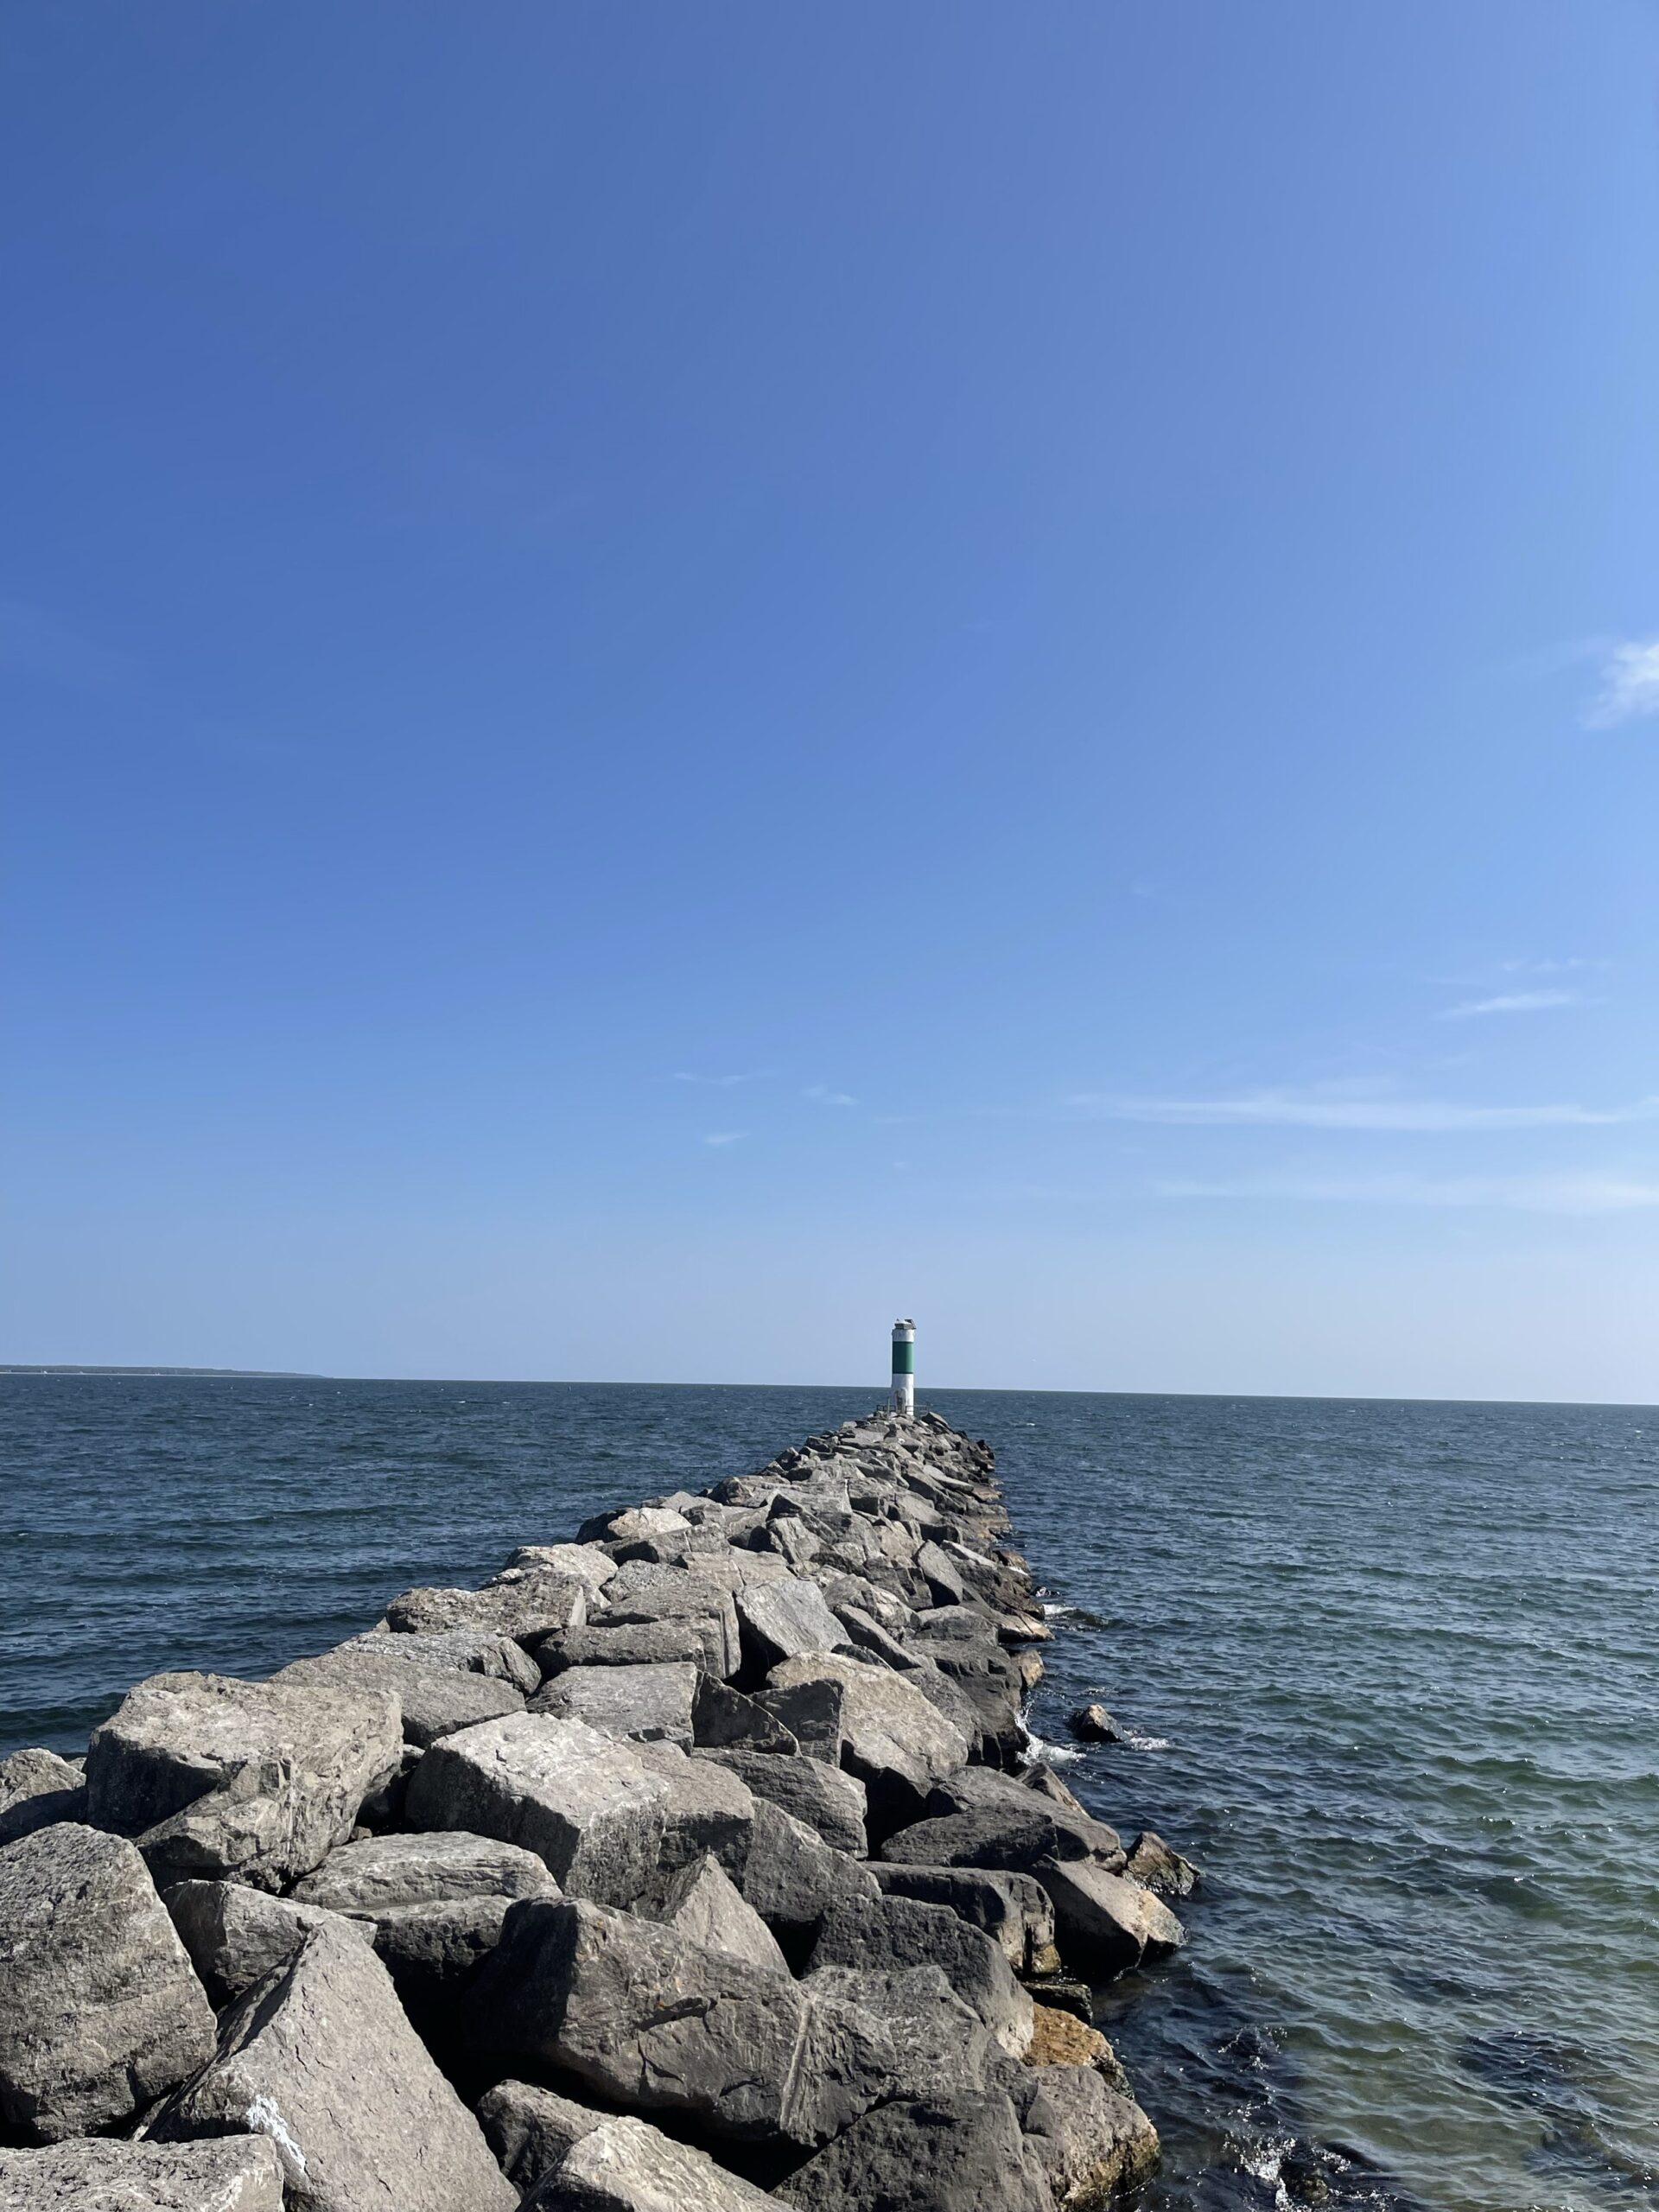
column 1549, row 966
column 1290, row 1109
column 821, row 1095
column 1629, row 685
column 1512, row 1002
column 1531, row 1193
column 723, row 1081
column 726, row 1136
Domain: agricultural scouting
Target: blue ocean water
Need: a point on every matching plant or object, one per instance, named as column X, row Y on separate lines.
column 1386, row 1672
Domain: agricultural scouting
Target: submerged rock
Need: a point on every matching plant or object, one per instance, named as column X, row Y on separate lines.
column 1094, row 1724
column 1153, row 1863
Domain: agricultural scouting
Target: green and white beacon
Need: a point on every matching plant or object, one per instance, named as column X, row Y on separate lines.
column 904, row 1367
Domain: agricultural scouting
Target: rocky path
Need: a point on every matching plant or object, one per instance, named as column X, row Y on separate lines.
column 688, row 1867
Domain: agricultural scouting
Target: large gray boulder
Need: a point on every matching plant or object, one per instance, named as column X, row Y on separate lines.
column 829, row 1800
column 650, row 1703
column 432, row 1906
column 238, row 2173
column 897, row 1932
column 723, row 1719
column 100, row 2010
column 780, row 1618
column 647, row 2020
column 792, row 1878
column 586, row 1805
column 529, row 2128
column 587, row 1563
column 236, row 1936
column 602, row 1642
column 38, row 1789
column 708, row 1809
column 523, row 1605
column 467, row 1651
column 1013, row 1910
column 981, row 1790
column 701, row 1904
column 1105, row 1921
column 884, row 1729
column 1019, row 1837
column 382, row 1873
column 625, row 2165
column 939, row 2046
column 1092, row 2142
column 243, row 1781
column 643, row 1592
column 947, row 2153
column 435, row 1700
column 320, row 2056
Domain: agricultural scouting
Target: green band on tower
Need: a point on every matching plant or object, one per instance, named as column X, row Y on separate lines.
column 903, row 1357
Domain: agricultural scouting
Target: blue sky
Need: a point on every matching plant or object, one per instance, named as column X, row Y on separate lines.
column 674, row 678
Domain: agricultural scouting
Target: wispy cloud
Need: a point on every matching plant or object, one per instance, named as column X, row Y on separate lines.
column 1512, row 1002
column 1291, row 1110
column 724, row 1082
column 1531, row 1193
column 726, row 1136
column 1629, row 684
column 821, row 1095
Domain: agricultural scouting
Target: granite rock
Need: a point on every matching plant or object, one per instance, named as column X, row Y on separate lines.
column 320, row 2056
column 241, row 1780
column 100, row 2009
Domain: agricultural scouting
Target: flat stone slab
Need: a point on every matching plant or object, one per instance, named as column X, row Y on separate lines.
column 471, row 1650
column 652, row 1703
column 245, row 1780
column 434, row 1700
column 586, row 1805
column 100, row 2009
column 321, row 2058
column 627, row 2165
column 382, row 1874
column 522, row 1604
column 780, row 1618
column 236, row 2173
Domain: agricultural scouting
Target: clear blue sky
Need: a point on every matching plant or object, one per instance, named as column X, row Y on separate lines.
column 678, row 677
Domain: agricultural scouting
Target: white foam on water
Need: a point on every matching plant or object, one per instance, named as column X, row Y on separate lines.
column 1137, row 1742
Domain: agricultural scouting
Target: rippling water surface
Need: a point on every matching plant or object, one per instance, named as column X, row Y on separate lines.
column 1387, row 1673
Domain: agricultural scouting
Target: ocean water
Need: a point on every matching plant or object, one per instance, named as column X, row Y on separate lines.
column 1386, row 1672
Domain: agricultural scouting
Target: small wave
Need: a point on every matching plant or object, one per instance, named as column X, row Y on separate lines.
column 1137, row 1742
column 1038, row 1752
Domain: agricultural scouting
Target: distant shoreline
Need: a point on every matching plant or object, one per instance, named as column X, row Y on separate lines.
column 265, row 1374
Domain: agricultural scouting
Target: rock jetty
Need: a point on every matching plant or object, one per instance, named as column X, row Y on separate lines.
column 692, row 1866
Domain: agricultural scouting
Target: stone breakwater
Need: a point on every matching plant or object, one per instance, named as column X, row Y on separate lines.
column 692, row 1866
